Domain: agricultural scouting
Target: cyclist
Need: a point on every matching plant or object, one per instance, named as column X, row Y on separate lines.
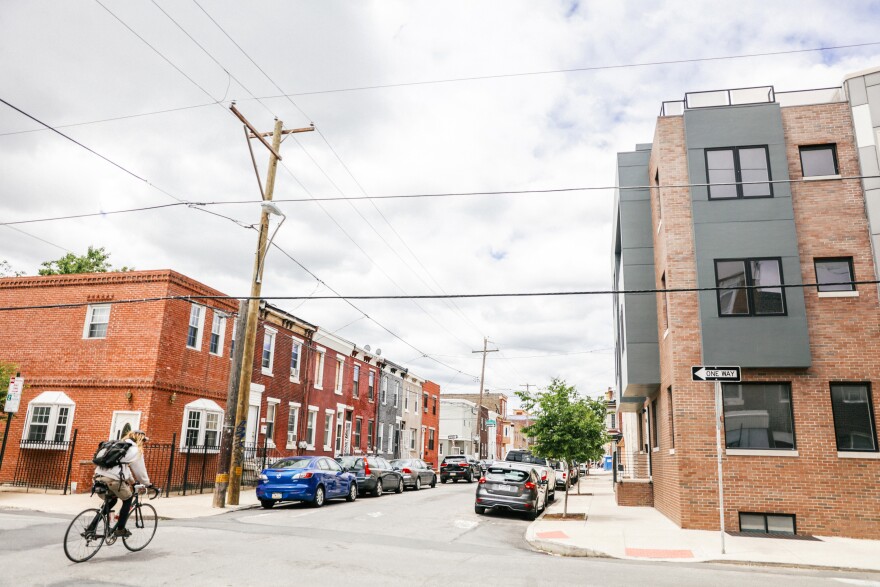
column 120, row 479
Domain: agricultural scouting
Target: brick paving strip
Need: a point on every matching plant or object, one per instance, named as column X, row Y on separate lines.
column 658, row 553
column 552, row 534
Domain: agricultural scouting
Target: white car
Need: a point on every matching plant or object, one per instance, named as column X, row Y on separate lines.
column 563, row 475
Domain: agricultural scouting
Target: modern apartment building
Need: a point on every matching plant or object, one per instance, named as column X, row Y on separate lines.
column 747, row 216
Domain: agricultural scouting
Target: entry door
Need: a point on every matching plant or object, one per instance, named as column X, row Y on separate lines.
column 253, row 421
column 124, row 422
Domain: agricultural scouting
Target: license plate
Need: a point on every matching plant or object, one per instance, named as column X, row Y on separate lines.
column 276, row 496
column 505, row 488
column 453, row 474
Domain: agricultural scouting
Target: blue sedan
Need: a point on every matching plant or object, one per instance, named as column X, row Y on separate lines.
column 305, row 478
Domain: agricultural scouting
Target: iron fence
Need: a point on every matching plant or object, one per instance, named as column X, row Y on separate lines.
column 44, row 464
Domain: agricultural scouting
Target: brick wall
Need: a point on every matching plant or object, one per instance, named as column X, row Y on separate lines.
column 634, row 493
column 432, row 420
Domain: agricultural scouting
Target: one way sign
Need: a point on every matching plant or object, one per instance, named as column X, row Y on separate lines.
column 702, row 373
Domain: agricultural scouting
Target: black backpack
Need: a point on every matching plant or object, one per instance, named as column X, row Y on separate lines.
column 110, row 453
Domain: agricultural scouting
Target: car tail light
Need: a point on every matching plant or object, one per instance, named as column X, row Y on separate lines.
column 307, row 475
column 366, row 469
column 530, row 486
column 406, row 470
column 544, row 476
column 482, row 479
column 442, row 465
column 564, row 475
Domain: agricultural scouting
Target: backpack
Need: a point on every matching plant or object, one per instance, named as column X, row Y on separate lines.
column 110, row 453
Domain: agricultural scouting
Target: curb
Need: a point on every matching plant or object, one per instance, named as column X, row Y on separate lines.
column 555, row 548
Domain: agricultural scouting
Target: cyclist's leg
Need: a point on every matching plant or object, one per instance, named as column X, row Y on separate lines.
column 109, row 502
column 124, row 511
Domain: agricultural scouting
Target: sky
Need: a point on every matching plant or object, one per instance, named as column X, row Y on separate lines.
column 496, row 102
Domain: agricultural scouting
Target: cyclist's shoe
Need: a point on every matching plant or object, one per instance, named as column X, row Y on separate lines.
column 122, row 533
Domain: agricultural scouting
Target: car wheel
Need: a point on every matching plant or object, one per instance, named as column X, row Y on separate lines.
column 319, row 497
column 469, row 478
column 352, row 492
column 267, row 503
column 552, row 497
column 533, row 515
column 444, row 481
column 434, row 482
column 455, row 480
column 418, row 485
column 478, row 509
column 400, row 486
column 379, row 489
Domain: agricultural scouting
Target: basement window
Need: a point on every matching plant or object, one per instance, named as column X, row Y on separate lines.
column 767, row 523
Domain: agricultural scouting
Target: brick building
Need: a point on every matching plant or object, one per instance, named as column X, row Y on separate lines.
column 742, row 195
column 431, row 423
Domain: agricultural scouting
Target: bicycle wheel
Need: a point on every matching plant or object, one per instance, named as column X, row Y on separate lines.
column 82, row 543
column 142, row 525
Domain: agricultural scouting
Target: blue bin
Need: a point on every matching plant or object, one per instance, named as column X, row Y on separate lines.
column 607, row 464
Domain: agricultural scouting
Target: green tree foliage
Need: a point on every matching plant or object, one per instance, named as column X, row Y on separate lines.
column 566, row 426
column 94, row 261
column 6, row 270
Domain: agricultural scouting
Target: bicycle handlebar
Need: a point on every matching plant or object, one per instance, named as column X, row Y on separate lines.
column 156, row 491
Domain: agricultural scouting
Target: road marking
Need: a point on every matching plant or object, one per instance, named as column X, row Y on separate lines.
column 857, row 582
column 465, row 524
column 375, row 514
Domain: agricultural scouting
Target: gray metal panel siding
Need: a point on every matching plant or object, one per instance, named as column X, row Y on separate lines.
column 746, row 228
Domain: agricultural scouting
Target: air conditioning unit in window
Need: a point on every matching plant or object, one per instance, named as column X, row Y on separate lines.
column 291, row 438
column 294, row 373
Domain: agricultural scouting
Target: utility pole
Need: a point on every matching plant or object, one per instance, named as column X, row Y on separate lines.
column 480, row 406
column 250, row 335
column 528, row 386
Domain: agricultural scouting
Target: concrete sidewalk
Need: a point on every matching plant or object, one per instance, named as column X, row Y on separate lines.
column 643, row 533
column 172, row 507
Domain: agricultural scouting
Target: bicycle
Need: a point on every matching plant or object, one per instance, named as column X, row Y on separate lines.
column 91, row 528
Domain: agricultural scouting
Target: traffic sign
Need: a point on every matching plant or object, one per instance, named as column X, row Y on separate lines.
column 452, row 437
column 490, row 422
column 703, row 373
column 13, row 396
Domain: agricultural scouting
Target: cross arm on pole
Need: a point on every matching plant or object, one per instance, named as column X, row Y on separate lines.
column 255, row 132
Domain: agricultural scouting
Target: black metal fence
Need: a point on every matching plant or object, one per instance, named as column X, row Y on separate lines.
column 44, row 464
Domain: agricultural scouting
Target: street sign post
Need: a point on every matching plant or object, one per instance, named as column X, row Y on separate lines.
column 718, row 375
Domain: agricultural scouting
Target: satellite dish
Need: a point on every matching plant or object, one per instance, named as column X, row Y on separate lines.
column 378, row 352
column 367, row 348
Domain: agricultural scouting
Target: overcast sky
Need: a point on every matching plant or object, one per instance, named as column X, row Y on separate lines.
column 407, row 98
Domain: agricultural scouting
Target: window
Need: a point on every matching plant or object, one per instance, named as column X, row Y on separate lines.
column 218, row 328
column 196, row 323
column 835, row 274
column 49, row 419
column 380, row 436
column 370, row 426
column 390, row 438
column 268, row 351
column 356, row 381
column 292, row 425
column 671, row 418
column 340, row 366
column 425, row 402
column 201, row 424
column 271, row 408
column 339, row 430
column 654, row 435
column 405, row 401
column 758, row 416
column 97, row 319
column 295, row 353
column 319, row 368
column 819, row 160
column 434, row 409
column 358, row 424
column 767, row 523
column 665, row 302
column 371, row 386
column 413, row 434
column 763, row 297
column 733, row 170
column 430, row 439
column 232, row 342
column 385, row 389
column 853, row 417
column 311, row 422
column 328, row 430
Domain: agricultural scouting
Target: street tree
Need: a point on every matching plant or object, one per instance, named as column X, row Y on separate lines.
column 565, row 426
column 94, row 261
column 6, row 270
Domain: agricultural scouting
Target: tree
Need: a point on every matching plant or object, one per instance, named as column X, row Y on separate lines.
column 566, row 426
column 6, row 270
column 94, row 261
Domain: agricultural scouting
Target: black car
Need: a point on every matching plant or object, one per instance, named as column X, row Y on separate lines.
column 416, row 473
column 514, row 487
column 457, row 467
column 375, row 475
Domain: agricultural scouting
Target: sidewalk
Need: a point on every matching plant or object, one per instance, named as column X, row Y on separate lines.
column 643, row 533
column 172, row 507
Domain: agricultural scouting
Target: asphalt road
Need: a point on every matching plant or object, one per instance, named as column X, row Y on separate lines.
column 430, row 537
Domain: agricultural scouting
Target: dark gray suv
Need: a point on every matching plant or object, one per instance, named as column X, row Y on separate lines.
column 513, row 487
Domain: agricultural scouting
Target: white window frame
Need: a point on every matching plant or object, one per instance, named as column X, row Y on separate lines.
column 380, row 436
column 384, row 391
column 218, row 328
column 328, row 429
column 356, row 381
column 198, row 312
column 311, row 423
column 203, row 407
column 371, row 386
column 294, row 371
column 55, row 401
column 405, row 400
column 293, row 428
column 232, row 340
column 90, row 320
column 319, row 367
column 389, row 448
column 269, row 335
column 272, row 403
column 396, row 393
column 340, row 375
column 414, row 433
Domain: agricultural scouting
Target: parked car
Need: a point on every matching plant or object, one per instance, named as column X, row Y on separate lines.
column 313, row 479
column 416, row 473
column 374, row 475
column 544, row 466
column 574, row 473
column 563, row 475
column 457, row 467
column 512, row 486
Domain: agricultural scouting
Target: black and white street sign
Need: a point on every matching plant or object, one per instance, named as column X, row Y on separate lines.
column 703, row 373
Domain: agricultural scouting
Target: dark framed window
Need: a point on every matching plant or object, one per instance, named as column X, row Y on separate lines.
column 854, row 424
column 732, row 172
column 767, row 523
column 819, row 160
column 671, row 418
column 835, row 274
column 655, row 436
column 758, row 416
column 754, row 287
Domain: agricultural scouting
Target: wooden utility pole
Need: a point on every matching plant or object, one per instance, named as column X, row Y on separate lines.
column 250, row 335
column 480, row 406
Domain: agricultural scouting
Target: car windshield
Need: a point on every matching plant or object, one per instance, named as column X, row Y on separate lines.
column 351, row 462
column 292, row 463
column 506, row 475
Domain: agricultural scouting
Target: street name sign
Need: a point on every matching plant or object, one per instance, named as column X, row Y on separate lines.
column 703, row 373
column 13, row 396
